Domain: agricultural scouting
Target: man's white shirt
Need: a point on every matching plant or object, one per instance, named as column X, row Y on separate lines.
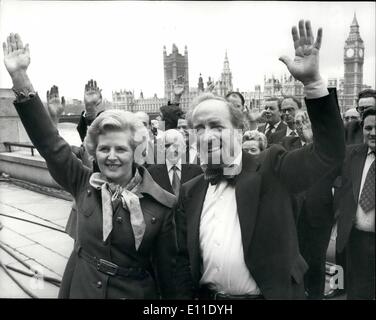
column 224, row 269
column 365, row 221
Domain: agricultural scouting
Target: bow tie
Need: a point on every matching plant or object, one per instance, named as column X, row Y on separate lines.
column 214, row 176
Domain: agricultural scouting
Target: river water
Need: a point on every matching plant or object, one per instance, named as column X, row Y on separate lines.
column 69, row 132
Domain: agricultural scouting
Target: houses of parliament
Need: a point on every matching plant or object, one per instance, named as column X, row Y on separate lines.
column 176, row 71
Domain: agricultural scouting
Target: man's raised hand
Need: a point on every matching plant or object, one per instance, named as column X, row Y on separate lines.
column 92, row 99
column 305, row 66
column 54, row 106
column 303, row 126
column 255, row 115
column 210, row 88
column 16, row 55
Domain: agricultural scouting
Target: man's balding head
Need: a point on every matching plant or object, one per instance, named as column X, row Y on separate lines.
column 174, row 145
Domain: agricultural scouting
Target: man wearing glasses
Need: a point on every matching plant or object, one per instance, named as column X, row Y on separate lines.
column 353, row 131
column 289, row 107
column 273, row 119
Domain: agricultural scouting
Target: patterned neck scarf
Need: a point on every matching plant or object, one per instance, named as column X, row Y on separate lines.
column 129, row 197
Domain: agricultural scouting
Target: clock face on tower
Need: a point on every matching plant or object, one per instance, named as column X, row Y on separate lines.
column 360, row 52
column 350, row 52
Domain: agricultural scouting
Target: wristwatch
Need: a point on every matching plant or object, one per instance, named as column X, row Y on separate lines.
column 23, row 94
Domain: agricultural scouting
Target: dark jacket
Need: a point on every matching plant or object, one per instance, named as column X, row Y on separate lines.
column 160, row 174
column 280, row 131
column 263, row 189
column 281, row 126
column 291, row 143
column 317, row 201
column 157, row 252
column 347, row 193
column 83, row 124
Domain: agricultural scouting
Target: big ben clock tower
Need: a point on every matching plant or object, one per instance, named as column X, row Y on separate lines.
column 353, row 59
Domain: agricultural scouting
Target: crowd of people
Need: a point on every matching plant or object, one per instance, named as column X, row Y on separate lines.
column 219, row 203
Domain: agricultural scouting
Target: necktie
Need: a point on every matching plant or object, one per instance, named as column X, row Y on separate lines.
column 293, row 134
column 367, row 197
column 175, row 181
column 270, row 131
column 187, row 159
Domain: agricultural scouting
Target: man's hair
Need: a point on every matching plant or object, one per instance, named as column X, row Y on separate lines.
column 371, row 111
column 119, row 121
column 171, row 113
column 367, row 93
column 175, row 135
column 279, row 101
column 237, row 94
column 237, row 116
column 297, row 101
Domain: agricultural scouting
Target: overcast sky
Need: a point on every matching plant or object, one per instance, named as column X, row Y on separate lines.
column 120, row 44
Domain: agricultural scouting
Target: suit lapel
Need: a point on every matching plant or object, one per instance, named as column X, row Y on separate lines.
column 281, row 126
column 193, row 207
column 262, row 128
column 247, row 191
column 357, row 164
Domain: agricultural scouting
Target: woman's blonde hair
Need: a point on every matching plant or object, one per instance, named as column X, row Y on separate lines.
column 256, row 136
column 118, row 120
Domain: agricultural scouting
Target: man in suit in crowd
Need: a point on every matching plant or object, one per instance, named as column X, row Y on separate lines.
column 151, row 155
column 354, row 135
column 238, row 100
column 289, row 107
column 303, row 130
column 355, row 201
column 350, row 115
column 236, row 232
column 272, row 114
column 174, row 172
column 93, row 107
column 354, row 130
column 190, row 142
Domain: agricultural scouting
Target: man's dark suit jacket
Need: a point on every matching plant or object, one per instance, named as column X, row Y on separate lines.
column 83, row 124
column 346, row 196
column 291, row 143
column 282, row 127
column 318, row 199
column 160, row 175
column 267, row 225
